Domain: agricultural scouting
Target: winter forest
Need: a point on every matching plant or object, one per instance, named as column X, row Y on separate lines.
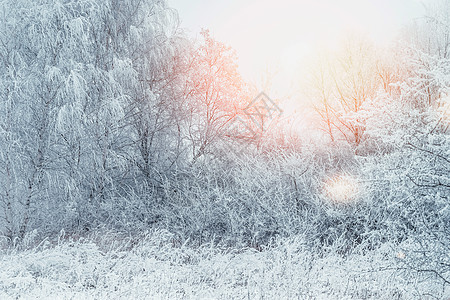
column 134, row 166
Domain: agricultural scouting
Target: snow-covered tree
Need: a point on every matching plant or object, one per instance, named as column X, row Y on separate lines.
column 216, row 91
column 70, row 71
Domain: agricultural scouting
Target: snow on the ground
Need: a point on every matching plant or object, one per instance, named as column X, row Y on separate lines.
column 156, row 267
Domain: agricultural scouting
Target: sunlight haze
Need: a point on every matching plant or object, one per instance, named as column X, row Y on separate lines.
column 278, row 35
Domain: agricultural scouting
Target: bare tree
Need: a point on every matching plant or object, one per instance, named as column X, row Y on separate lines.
column 343, row 83
column 216, row 90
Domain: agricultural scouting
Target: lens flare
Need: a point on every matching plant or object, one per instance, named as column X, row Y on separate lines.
column 342, row 189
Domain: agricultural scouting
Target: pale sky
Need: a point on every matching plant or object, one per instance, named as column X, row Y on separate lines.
column 281, row 33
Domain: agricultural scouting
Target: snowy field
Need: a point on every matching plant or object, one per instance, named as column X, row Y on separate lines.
column 157, row 267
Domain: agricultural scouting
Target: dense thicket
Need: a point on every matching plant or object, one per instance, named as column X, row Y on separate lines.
column 102, row 101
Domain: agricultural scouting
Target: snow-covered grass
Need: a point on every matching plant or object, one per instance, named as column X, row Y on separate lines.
column 157, row 266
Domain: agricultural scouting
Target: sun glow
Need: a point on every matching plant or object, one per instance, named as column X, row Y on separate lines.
column 342, row 189
column 275, row 42
column 266, row 33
